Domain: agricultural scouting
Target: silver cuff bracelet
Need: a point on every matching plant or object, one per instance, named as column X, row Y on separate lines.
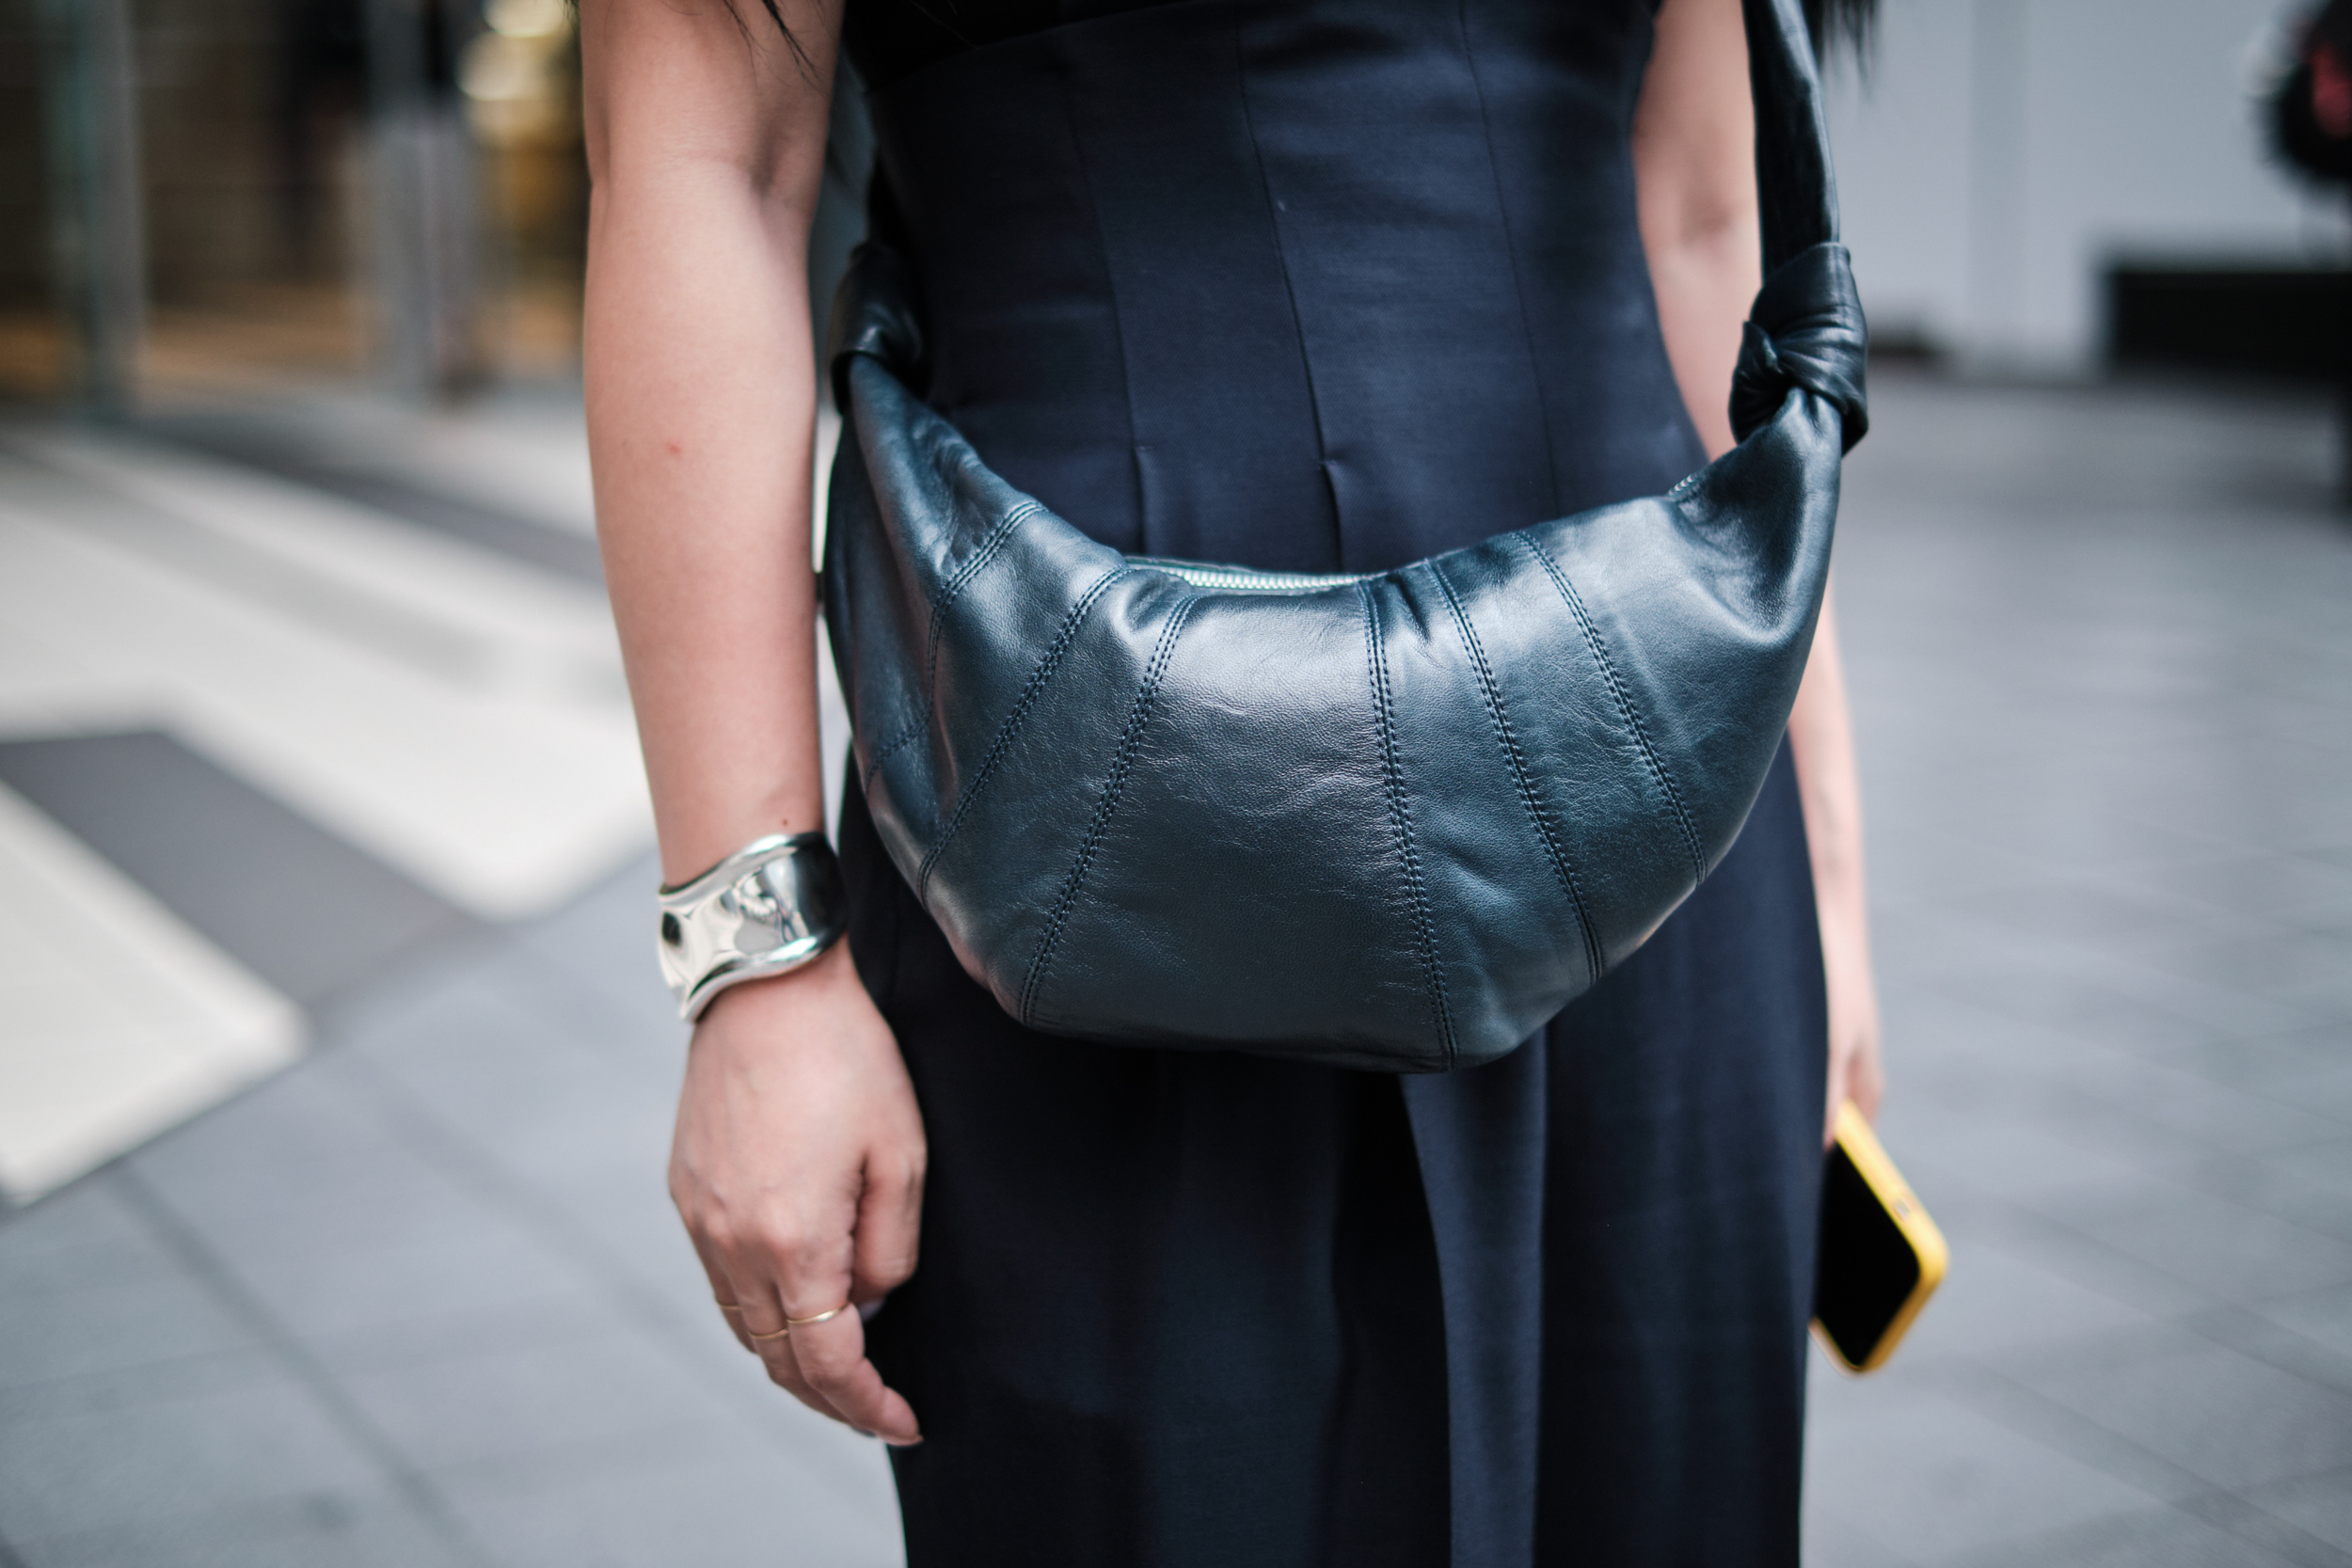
column 772, row 905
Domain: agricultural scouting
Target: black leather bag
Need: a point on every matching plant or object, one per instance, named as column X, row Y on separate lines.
column 1394, row 821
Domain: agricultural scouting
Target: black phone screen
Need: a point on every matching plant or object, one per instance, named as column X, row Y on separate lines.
column 1865, row 1268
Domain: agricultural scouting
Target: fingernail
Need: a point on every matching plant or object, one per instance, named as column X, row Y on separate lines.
column 904, row 1442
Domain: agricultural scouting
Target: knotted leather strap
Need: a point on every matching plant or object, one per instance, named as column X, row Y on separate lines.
column 873, row 314
column 1804, row 330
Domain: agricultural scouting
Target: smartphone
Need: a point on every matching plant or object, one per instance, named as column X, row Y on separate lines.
column 1880, row 1256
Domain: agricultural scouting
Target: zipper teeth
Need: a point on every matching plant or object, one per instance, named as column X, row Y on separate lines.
column 1259, row 582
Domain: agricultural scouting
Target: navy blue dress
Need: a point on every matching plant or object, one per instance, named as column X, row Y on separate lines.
column 1328, row 285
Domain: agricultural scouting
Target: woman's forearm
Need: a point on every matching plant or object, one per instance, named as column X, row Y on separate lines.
column 1821, row 737
column 701, row 418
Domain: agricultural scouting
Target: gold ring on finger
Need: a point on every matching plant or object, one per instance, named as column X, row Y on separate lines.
column 777, row 1335
column 803, row 1323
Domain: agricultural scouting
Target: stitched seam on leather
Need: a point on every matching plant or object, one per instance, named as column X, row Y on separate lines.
column 991, row 546
column 1400, row 820
column 1625, row 704
column 1518, row 759
column 1130, row 740
column 1046, row 665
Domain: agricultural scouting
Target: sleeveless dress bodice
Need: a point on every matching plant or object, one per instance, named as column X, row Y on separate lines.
column 1329, row 285
column 1316, row 285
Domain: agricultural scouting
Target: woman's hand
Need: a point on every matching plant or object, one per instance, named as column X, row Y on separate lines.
column 798, row 1167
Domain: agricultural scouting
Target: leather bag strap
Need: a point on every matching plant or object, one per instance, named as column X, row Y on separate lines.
column 1806, row 328
column 1796, row 195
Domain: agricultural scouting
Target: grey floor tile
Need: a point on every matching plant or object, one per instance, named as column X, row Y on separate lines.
column 1942, row 1480
column 2015, row 1150
column 1993, row 1301
column 82, row 1238
column 658, row 1504
column 67, row 1472
column 483, row 1054
column 2273, row 1343
column 2157, row 1538
column 134, row 1320
column 348, row 1527
column 509, row 1399
column 2225, row 1249
column 533, row 1324
column 2323, row 1317
column 2327, row 1164
column 1831, row 1543
column 82, row 1226
column 2223, row 1417
column 602, row 944
column 2154, row 1094
column 2056, row 1247
column 2279, row 887
column 2326, row 1091
column 292, row 1135
column 2320, row 1505
column 135, row 1384
column 399, row 1269
column 2099, row 914
column 2275, row 1189
column 2255, row 1063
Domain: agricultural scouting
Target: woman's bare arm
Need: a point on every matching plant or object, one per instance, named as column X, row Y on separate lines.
column 798, row 1157
column 1695, row 167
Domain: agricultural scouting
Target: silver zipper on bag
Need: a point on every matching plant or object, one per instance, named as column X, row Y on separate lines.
column 1241, row 579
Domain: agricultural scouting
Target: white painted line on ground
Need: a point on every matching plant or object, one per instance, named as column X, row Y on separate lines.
column 116, row 1018
column 504, row 799
column 528, row 626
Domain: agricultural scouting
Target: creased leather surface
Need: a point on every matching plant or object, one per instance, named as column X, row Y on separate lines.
column 1394, row 821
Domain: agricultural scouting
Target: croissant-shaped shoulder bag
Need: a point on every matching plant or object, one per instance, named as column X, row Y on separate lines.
column 1395, row 820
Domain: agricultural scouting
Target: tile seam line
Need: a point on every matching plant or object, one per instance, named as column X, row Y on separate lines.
column 408, row 1481
column 2213, row 1325
column 1984, row 1393
column 2223, row 1509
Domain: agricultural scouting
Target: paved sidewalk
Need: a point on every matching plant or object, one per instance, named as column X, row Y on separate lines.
column 419, row 1299
column 2101, row 650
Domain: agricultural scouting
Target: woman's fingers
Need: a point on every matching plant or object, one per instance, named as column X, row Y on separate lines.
column 767, row 1336
column 889, row 1225
column 831, row 1357
column 722, row 1291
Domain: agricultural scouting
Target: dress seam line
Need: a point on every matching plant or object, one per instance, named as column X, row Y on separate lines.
column 1290, row 289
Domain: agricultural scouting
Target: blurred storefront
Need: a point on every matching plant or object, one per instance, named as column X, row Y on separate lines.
column 210, row 198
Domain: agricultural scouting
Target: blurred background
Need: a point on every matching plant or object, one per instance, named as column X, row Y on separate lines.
column 334, row 1069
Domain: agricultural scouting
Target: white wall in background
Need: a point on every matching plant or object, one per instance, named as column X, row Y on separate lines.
column 1997, row 154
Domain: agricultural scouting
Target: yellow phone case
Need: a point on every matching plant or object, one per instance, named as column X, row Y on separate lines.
column 1880, row 1262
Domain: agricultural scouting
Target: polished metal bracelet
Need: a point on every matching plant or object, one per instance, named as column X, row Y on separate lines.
column 770, row 906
